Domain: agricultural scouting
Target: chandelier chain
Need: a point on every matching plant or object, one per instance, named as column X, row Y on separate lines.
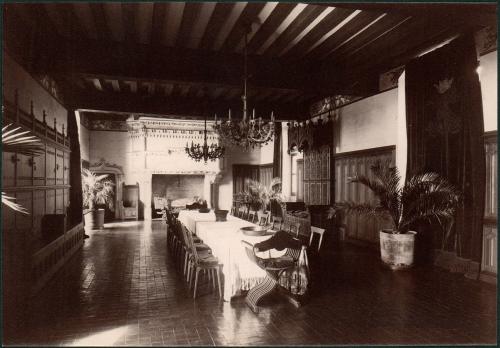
column 249, row 132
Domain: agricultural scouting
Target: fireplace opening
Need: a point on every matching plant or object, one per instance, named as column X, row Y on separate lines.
column 181, row 189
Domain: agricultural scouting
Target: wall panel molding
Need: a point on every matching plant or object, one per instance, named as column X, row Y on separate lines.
column 347, row 165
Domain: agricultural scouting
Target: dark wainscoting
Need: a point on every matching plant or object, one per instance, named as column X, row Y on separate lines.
column 359, row 162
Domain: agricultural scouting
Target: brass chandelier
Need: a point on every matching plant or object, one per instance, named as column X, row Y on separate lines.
column 204, row 152
column 247, row 132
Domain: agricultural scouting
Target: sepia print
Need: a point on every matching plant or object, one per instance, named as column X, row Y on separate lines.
column 249, row 173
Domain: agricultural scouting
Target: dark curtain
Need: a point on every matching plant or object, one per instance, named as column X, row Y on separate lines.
column 241, row 174
column 278, row 151
column 445, row 128
column 75, row 212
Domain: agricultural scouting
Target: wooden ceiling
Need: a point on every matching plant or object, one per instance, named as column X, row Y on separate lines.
column 186, row 58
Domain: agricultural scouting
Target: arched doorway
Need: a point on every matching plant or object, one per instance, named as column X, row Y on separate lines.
column 115, row 173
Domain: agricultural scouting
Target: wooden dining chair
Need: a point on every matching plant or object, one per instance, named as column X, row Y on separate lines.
column 276, row 224
column 202, row 249
column 294, row 229
column 320, row 232
column 241, row 211
column 262, row 218
column 198, row 263
column 252, row 215
column 233, row 210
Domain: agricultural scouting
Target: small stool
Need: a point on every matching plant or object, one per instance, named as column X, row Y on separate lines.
column 319, row 231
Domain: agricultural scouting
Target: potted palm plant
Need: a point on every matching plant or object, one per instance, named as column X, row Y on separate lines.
column 259, row 196
column 424, row 197
column 96, row 191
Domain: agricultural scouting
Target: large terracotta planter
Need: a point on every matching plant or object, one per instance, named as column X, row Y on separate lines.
column 397, row 250
column 94, row 220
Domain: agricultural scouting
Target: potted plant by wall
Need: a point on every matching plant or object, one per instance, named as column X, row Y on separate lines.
column 96, row 191
column 260, row 195
column 424, row 197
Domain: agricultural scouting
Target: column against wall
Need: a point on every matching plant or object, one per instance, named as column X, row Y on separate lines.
column 402, row 139
column 287, row 163
column 207, row 181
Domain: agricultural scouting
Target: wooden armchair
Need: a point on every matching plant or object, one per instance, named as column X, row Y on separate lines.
column 274, row 267
column 129, row 204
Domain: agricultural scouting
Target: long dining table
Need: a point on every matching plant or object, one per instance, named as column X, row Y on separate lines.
column 224, row 238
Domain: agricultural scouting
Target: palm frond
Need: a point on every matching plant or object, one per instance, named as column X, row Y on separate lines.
column 9, row 202
column 96, row 190
column 260, row 195
column 22, row 142
column 385, row 185
column 425, row 196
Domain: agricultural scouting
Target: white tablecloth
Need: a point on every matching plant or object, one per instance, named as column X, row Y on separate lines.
column 190, row 218
column 224, row 238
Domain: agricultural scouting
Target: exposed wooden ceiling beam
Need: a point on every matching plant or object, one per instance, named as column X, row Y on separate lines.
column 228, row 25
column 114, row 10
column 383, row 27
column 315, row 35
column 158, row 23
column 282, row 28
column 362, row 22
column 269, row 22
column 200, row 25
column 84, row 14
column 129, row 11
column 144, row 18
column 97, row 9
column 123, row 61
column 304, row 21
column 215, row 24
column 478, row 13
column 256, row 26
column 196, row 107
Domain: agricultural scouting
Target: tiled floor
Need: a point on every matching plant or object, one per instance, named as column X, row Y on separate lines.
column 123, row 289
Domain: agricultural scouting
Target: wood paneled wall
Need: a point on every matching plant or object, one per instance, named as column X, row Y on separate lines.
column 39, row 183
column 490, row 233
column 347, row 165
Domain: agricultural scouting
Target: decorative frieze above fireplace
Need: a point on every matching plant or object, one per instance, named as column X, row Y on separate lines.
column 157, row 146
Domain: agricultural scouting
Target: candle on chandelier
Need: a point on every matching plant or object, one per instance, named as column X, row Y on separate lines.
column 229, row 114
column 215, row 119
column 272, row 116
column 253, row 113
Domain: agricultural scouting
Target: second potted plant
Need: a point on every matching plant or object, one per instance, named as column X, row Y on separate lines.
column 259, row 196
column 96, row 191
column 426, row 196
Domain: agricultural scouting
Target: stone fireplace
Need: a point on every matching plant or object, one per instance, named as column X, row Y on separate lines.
column 157, row 160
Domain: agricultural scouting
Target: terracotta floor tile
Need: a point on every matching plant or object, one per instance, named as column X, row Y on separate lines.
column 124, row 288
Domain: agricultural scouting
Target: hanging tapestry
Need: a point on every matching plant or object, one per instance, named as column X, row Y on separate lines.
column 445, row 127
